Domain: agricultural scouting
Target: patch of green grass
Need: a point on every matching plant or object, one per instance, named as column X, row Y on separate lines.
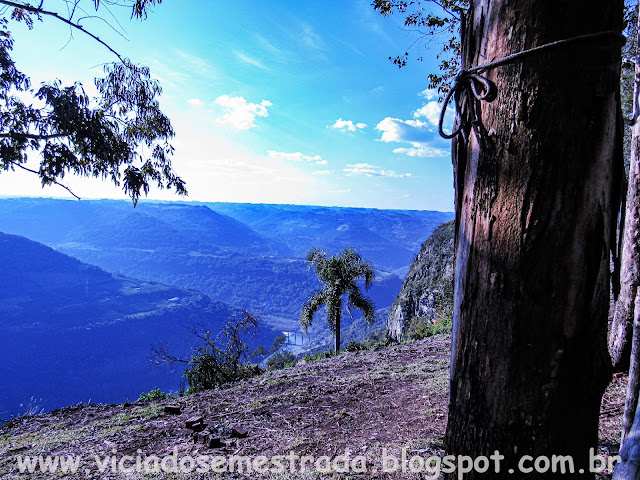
column 361, row 377
column 263, row 402
column 319, row 355
column 54, row 436
column 439, row 380
column 341, row 414
column 419, row 369
column 421, row 327
column 147, row 412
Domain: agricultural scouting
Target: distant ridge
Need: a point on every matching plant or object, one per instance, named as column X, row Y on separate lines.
column 72, row 332
column 247, row 255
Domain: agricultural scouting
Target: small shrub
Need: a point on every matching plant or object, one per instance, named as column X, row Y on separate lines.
column 383, row 343
column 280, row 360
column 420, row 327
column 354, row 346
column 318, row 355
column 152, row 395
column 313, row 356
column 212, row 366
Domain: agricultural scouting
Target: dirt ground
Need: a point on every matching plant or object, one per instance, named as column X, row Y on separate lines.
column 373, row 403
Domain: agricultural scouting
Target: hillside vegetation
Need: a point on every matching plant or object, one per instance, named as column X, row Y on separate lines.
column 72, row 332
column 426, row 296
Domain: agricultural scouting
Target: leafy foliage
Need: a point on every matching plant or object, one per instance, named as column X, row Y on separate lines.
column 280, row 360
column 318, row 355
column 354, row 346
column 339, row 275
column 214, row 365
column 446, row 22
column 421, row 327
column 152, row 395
column 121, row 135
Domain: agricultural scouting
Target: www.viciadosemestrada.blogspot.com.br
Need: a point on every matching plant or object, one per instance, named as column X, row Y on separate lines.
column 429, row 467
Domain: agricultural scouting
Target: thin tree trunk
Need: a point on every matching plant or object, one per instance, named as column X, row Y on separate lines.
column 628, row 303
column 630, row 260
column 622, row 325
column 536, row 209
column 629, row 466
column 337, row 337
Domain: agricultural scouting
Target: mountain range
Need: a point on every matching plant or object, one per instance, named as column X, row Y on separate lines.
column 246, row 255
column 81, row 308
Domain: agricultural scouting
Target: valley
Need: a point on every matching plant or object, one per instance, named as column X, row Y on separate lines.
column 106, row 281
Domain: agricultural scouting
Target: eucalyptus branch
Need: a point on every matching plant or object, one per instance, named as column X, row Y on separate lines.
column 33, row 136
column 446, row 9
column 73, row 11
column 98, row 17
column 41, row 11
column 51, row 180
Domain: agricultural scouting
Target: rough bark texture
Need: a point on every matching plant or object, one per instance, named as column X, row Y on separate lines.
column 629, row 466
column 536, row 209
column 619, row 344
column 629, row 420
column 628, row 304
column 622, row 325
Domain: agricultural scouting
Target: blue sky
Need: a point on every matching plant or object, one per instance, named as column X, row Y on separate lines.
column 272, row 101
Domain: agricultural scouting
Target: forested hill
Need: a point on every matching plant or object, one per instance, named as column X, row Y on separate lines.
column 244, row 255
column 388, row 238
column 72, row 332
column 427, row 291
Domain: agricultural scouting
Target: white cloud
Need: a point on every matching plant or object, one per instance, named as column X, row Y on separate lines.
column 310, row 38
column 429, row 94
column 196, row 64
column 420, row 132
column 296, row 157
column 196, row 102
column 270, row 48
column 415, row 132
column 321, row 172
column 348, row 125
column 423, row 152
column 240, row 114
column 249, row 60
column 372, row 171
column 430, row 111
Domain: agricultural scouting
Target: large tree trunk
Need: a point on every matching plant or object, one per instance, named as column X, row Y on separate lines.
column 536, row 208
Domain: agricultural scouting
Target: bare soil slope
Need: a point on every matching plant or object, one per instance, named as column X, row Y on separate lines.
column 391, row 398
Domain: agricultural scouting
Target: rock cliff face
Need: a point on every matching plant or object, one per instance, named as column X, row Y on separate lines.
column 427, row 291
